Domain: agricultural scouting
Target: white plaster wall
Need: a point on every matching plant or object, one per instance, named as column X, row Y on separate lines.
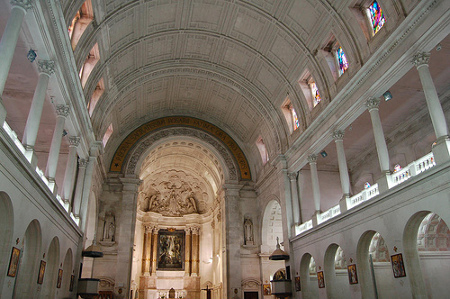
column 435, row 267
column 31, row 200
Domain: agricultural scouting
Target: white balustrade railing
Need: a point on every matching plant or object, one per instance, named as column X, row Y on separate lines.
column 75, row 218
column 40, row 173
column 413, row 169
column 303, row 227
column 330, row 213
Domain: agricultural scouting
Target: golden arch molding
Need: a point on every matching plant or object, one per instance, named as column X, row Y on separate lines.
column 123, row 154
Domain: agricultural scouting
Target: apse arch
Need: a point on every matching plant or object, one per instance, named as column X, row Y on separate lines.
column 137, row 142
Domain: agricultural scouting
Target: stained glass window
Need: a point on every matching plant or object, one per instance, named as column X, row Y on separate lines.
column 315, row 94
column 376, row 16
column 397, row 168
column 295, row 119
column 342, row 60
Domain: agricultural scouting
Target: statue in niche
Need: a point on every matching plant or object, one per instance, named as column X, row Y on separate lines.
column 109, row 227
column 248, row 232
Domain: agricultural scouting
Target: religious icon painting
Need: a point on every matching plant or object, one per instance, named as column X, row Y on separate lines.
column 40, row 279
column 320, row 279
column 298, row 286
column 267, row 290
column 352, row 275
column 60, row 274
column 171, row 250
column 13, row 262
column 397, row 265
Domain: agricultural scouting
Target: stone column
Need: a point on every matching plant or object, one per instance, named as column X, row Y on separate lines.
column 195, row 250
column 441, row 150
column 338, row 137
column 82, row 163
column 85, row 197
column 233, row 240
column 380, row 142
column 312, row 159
column 294, row 198
column 187, row 252
column 155, row 250
column 9, row 38
column 124, row 234
column 69, row 175
column 46, row 69
column 62, row 112
column 147, row 250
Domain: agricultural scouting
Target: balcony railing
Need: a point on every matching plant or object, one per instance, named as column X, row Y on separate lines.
column 397, row 178
column 40, row 173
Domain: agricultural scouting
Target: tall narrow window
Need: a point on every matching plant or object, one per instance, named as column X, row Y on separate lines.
column 315, row 93
column 99, row 89
column 341, row 60
column 91, row 60
column 82, row 19
column 291, row 116
column 376, row 16
column 108, row 134
column 296, row 124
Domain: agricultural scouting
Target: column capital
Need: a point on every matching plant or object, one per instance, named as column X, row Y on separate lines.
column 62, row 110
column 187, row 230
column 148, row 228
column 421, row 59
column 338, row 135
column 74, row 141
column 292, row 176
column 195, row 230
column 83, row 163
column 24, row 4
column 372, row 103
column 312, row 158
column 155, row 230
column 46, row 67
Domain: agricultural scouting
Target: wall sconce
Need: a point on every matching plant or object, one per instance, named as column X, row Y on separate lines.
column 323, row 154
column 387, row 95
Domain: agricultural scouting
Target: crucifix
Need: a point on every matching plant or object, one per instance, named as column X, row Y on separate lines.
column 208, row 292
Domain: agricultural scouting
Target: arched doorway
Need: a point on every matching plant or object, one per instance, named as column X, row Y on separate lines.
column 67, row 275
column 51, row 270
column 336, row 275
column 28, row 265
column 427, row 254
column 6, row 232
column 308, row 277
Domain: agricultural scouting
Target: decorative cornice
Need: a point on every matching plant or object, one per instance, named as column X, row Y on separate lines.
column 421, row 59
column 312, row 158
column 24, row 4
column 338, row 135
column 46, row 67
column 74, row 141
column 372, row 103
column 62, row 110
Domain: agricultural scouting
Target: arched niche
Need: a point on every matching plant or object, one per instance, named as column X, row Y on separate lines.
column 335, row 272
column 67, row 273
column 28, row 265
column 308, row 277
column 427, row 250
column 51, row 270
column 6, row 232
column 373, row 257
column 272, row 227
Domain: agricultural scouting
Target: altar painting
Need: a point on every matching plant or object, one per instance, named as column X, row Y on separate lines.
column 171, row 250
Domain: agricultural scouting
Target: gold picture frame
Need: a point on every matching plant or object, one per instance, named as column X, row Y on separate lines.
column 13, row 262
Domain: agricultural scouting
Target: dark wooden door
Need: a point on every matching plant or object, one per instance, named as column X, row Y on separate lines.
column 250, row 295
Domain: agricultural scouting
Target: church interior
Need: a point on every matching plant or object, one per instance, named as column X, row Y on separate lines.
column 234, row 149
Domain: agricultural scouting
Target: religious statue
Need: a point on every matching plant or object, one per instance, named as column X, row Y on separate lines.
column 109, row 227
column 248, row 232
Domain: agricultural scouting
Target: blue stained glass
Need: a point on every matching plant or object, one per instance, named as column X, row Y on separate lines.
column 342, row 60
column 376, row 16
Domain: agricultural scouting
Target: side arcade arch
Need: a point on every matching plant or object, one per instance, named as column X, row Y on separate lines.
column 6, row 232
